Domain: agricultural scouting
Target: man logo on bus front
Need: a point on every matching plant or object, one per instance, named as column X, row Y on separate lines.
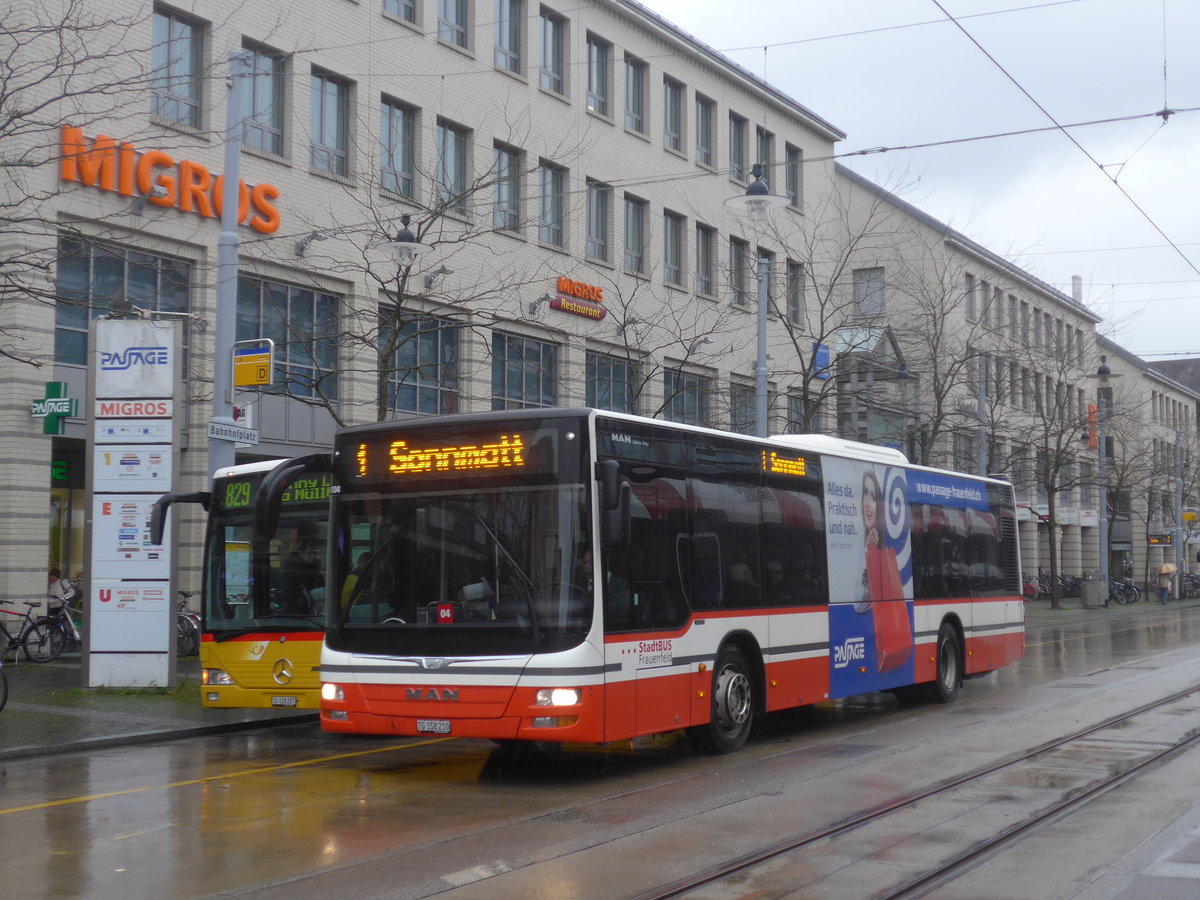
column 433, row 662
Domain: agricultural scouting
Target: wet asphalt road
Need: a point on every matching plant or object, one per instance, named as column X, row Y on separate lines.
column 293, row 812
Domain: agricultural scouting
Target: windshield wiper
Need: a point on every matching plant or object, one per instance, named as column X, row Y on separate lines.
column 531, row 589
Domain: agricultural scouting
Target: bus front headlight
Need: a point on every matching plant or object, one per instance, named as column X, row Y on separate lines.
column 332, row 692
column 215, row 677
column 559, row 697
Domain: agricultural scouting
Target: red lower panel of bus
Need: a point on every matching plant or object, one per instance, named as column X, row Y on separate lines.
column 499, row 713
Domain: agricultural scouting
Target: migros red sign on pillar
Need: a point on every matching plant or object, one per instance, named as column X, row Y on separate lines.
column 111, row 165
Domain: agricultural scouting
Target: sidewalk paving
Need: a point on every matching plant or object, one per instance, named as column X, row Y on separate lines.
column 49, row 711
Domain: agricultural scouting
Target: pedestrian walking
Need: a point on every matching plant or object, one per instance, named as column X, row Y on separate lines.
column 1166, row 580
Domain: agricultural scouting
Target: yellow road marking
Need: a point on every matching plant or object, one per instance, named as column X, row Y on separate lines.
column 262, row 770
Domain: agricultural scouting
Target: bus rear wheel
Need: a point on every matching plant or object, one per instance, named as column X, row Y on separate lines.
column 949, row 666
column 731, row 712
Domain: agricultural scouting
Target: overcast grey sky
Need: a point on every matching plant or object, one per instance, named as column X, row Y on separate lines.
column 899, row 72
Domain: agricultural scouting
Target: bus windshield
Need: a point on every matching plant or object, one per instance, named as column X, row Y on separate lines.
column 255, row 585
column 449, row 573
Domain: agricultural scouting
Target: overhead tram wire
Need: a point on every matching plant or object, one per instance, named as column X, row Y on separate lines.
column 410, row 32
column 1145, row 215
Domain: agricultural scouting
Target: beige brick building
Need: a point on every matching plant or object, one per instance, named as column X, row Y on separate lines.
column 569, row 165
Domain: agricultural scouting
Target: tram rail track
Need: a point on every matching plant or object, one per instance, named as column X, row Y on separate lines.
column 977, row 853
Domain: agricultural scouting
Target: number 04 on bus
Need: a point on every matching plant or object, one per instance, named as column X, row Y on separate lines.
column 585, row 576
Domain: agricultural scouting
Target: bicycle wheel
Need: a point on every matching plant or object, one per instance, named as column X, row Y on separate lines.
column 3, row 688
column 43, row 642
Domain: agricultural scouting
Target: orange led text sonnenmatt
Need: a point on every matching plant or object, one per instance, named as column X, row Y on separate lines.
column 112, row 165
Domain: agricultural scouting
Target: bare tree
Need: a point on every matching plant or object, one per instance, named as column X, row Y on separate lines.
column 60, row 64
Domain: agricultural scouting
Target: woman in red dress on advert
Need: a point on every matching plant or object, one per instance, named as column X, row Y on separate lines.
column 893, row 631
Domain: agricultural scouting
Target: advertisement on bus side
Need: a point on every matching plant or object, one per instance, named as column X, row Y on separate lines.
column 870, row 576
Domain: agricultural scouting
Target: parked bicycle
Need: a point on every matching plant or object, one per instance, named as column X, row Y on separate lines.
column 66, row 618
column 1029, row 587
column 187, row 627
column 39, row 642
column 1123, row 592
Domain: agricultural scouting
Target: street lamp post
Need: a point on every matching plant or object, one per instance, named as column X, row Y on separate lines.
column 220, row 450
column 1178, row 541
column 1103, row 375
column 756, row 205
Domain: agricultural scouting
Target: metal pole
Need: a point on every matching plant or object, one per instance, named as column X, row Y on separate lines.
column 1178, row 542
column 981, row 455
column 1102, row 476
column 760, row 366
column 220, row 451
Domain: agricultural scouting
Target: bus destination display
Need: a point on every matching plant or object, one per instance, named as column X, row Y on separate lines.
column 506, row 452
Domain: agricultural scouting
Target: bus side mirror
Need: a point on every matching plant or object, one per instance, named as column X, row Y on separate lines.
column 270, row 493
column 158, row 512
column 614, row 497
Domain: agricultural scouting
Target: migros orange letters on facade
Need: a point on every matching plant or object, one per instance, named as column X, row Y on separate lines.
column 112, row 165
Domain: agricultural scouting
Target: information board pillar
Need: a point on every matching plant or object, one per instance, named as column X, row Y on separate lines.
column 133, row 441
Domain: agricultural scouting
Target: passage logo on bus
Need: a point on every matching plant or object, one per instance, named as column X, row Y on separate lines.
column 852, row 650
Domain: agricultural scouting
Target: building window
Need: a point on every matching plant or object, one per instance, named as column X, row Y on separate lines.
column 330, row 124
column 452, row 21
column 401, row 9
column 793, row 186
column 741, row 408
column 550, row 220
column 509, row 23
column 685, row 397
column 524, row 372
column 738, row 128
column 599, row 53
column 795, row 292
column 635, row 234
column 673, row 248
column 868, row 291
column 553, row 52
column 262, row 114
column 803, row 418
column 673, row 96
column 451, row 175
column 177, row 60
column 90, row 277
column 706, row 111
column 423, row 368
column 596, row 242
column 635, row 94
column 611, row 383
column 738, row 251
column 303, row 323
column 506, row 170
column 706, row 239
column 397, row 133
column 764, row 151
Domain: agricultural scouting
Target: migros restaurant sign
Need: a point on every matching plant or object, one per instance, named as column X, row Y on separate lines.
column 117, row 166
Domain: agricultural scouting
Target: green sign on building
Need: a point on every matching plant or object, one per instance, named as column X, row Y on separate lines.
column 55, row 408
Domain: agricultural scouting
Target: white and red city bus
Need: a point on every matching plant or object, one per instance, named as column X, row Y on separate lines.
column 586, row 576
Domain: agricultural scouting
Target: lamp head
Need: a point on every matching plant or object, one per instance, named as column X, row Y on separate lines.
column 406, row 246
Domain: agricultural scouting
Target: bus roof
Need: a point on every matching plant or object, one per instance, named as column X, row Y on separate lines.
column 263, row 465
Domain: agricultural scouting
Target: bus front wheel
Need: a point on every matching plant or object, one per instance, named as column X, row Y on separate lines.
column 731, row 712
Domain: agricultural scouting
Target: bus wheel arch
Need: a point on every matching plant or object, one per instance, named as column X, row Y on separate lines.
column 735, row 698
